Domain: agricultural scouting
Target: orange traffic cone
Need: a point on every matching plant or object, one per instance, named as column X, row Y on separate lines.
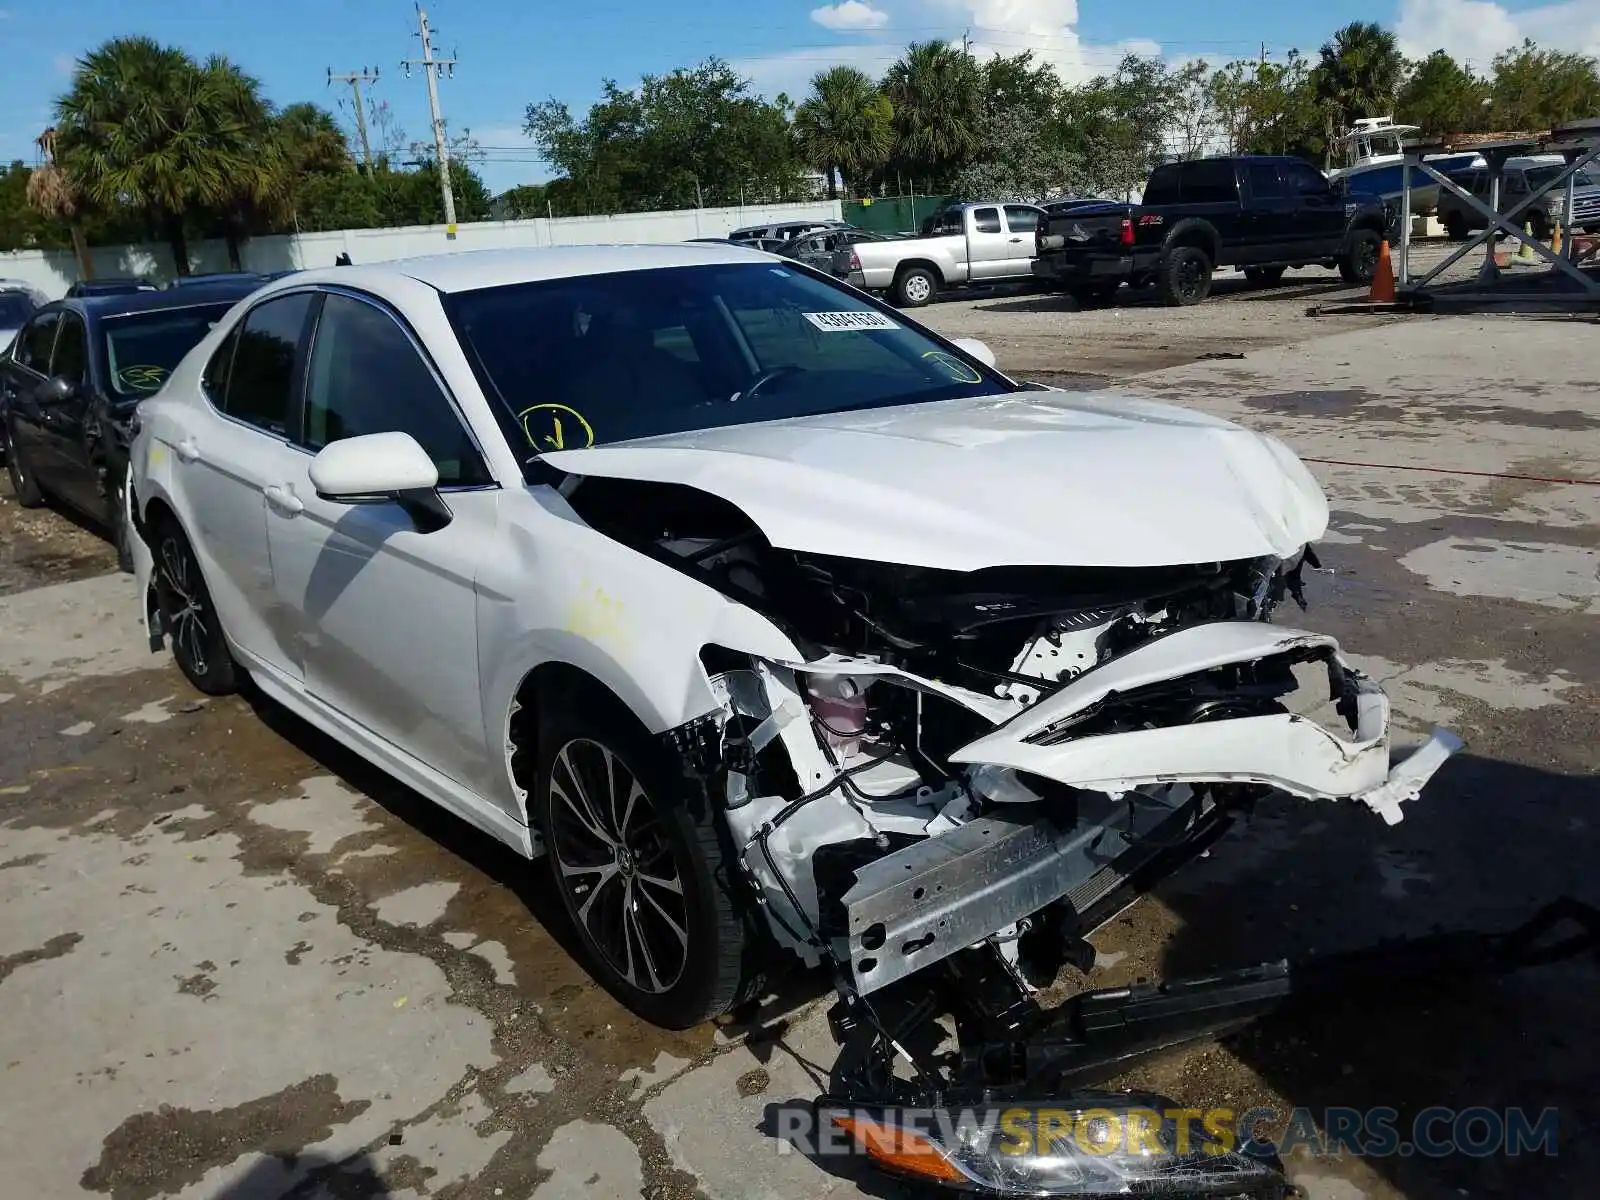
column 1382, row 290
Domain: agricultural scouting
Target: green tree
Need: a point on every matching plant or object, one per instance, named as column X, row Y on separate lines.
column 1537, row 89
column 1020, row 161
column 312, row 148
column 1018, row 82
column 143, row 125
column 1358, row 72
column 24, row 224
column 254, row 194
column 1269, row 108
column 1441, row 96
column 694, row 136
column 846, row 124
column 1114, row 127
column 937, row 94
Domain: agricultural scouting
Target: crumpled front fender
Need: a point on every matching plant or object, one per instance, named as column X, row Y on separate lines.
column 1286, row 751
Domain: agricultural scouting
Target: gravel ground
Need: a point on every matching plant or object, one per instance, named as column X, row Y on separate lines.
column 238, row 964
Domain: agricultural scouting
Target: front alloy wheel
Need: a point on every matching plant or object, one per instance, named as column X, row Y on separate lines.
column 616, row 868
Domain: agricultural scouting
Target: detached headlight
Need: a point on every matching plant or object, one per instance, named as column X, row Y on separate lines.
column 1138, row 1146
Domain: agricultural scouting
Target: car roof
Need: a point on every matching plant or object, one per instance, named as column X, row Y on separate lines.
column 469, row 270
column 127, row 303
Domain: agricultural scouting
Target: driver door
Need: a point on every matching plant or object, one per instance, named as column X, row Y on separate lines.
column 29, row 367
column 384, row 606
column 65, row 426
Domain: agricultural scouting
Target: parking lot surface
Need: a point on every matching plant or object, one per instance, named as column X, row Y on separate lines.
column 235, row 962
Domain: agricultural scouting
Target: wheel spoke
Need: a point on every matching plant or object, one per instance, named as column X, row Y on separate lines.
column 630, row 917
column 668, row 885
column 582, row 807
column 607, row 873
column 678, row 930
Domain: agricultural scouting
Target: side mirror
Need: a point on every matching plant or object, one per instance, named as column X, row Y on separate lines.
column 55, row 390
column 379, row 468
column 978, row 350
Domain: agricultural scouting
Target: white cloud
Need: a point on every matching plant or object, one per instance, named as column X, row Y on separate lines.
column 1046, row 27
column 850, row 15
column 1475, row 31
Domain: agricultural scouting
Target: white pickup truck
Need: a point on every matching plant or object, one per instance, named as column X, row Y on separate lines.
column 969, row 243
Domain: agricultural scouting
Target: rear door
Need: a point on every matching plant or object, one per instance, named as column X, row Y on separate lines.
column 226, row 456
column 1022, row 225
column 1211, row 192
column 988, row 243
column 1269, row 215
column 1319, row 218
column 28, row 367
column 66, row 425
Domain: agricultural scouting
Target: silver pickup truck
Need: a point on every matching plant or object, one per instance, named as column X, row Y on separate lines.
column 969, row 243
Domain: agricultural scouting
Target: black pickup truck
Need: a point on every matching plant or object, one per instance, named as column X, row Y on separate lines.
column 1262, row 214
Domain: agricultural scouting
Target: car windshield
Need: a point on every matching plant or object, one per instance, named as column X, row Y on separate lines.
column 143, row 348
column 606, row 358
column 15, row 309
column 1538, row 176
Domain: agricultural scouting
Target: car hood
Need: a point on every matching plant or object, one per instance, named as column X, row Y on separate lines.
column 1031, row 478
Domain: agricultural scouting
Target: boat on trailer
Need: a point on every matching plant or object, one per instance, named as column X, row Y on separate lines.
column 1374, row 154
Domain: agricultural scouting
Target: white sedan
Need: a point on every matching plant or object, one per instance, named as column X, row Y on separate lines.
column 768, row 618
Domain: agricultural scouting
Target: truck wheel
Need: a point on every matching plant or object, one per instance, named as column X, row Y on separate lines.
column 1455, row 227
column 1360, row 261
column 914, row 287
column 1185, row 276
column 1263, row 276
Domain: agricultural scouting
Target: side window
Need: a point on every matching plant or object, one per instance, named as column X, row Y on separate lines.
column 261, row 383
column 986, row 220
column 1163, row 185
column 1021, row 219
column 33, row 345
column 1516, row 182
column 71, row 359
column 367, row 377
column 1209, row 181
column 1306, row 180
column 215, row 379
column 1264, row 182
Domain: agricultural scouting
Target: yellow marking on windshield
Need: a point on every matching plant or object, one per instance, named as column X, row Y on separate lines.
column 554, row 437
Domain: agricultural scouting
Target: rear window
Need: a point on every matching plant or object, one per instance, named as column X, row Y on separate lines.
column 143, row 349
column 1163, row 187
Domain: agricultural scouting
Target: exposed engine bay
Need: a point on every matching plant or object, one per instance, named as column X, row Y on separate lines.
column 999, row 754
column 963, row 774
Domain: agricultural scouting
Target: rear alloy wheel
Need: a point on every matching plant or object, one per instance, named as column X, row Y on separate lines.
column 1455, row 227
column 188, row 616
column 1360, row 261
column 657, row 922
column 915, row 287
column 23, row 485
column 1185, row 276
column 1263, row 276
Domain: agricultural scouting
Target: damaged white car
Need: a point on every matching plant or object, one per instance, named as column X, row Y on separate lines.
column 768, row 618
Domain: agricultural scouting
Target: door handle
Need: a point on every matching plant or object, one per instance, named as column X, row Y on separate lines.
column 1016, row 239
column 188, row 450
column 285, row 501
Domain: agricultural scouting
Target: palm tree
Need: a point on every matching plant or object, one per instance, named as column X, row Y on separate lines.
column 51, row 192
column 1359, row 72
column 312, row 144
column 242, row 126
column 844, row 125
column 937, row 98
column 144, row 126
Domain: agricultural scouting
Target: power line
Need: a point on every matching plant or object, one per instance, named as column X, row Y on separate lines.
column 431, row 67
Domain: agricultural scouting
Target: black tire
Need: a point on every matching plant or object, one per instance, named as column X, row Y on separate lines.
column 1455, row 227
column 1093, row 295
column 188, row 615
column 1264, row 276
column 915, row 287
column 701, row 943
column 1359, row 263
column 1184, row 277
column 23, row 485
column 1540, row 224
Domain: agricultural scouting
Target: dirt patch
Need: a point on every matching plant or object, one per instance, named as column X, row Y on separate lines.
column 56, row 947
column 156, row 1153
column 40, row 546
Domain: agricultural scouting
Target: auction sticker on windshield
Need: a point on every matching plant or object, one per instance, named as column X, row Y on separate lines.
column 833, row 322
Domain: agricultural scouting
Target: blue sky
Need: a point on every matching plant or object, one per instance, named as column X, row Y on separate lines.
column 512, row 52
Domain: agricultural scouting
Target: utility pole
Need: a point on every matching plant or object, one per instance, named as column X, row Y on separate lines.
column 431, row 67
column 355, row 81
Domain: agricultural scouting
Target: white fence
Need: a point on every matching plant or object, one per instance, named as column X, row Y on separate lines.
column 53, row 270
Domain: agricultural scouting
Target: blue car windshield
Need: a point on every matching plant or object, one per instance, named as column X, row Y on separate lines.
column 609, row 357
